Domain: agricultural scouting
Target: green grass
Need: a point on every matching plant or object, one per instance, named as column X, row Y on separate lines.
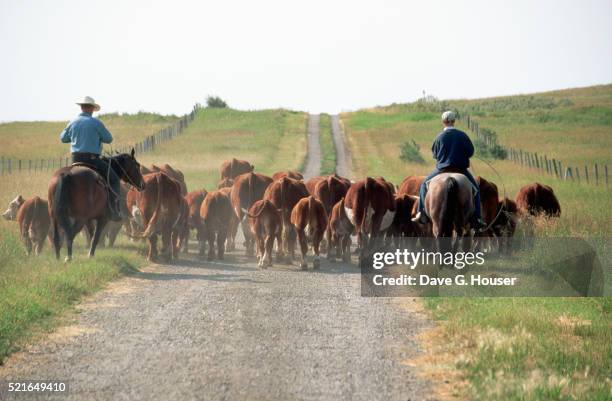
column 272, row 140
column 516, row 348
column 40, row 139
column 328, row 150
column 530, row 348
column 37, row 291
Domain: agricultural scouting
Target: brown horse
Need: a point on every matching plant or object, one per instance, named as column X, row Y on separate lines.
column 78, row 196
column 450, row 205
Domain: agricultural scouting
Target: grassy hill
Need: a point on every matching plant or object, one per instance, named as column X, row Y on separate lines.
column 575, row 136
column 36, row 290
column 40, row 139
column 512, row 348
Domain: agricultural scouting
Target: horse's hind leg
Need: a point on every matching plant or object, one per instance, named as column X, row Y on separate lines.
column 57, row 241
column 100, row 225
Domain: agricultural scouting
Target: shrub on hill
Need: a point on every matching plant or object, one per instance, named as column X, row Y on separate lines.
column 215, row 102
column 411, row 152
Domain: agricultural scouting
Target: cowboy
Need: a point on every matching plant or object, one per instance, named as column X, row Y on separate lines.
column 452, row 150
column 86, row 134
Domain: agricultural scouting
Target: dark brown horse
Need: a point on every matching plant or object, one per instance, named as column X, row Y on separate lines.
column 450, row 205
column 78, row 196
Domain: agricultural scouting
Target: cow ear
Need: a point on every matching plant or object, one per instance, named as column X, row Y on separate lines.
column 133, row 152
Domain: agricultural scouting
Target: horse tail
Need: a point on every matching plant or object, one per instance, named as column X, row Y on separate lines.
column 450, row 206
column 60, row 203
column 155, row 217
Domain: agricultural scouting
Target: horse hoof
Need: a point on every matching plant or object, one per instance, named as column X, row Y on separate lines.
column 67, row 259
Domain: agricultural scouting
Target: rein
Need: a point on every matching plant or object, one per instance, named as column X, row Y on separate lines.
column 501, row 209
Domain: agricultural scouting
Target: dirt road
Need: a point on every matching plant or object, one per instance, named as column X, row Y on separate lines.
column 228, row 331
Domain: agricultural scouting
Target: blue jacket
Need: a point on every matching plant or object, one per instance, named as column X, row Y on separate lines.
column 86, row 134
column 452, row 148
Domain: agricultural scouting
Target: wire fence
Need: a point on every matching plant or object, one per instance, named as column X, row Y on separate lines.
column 594, row 174
column 13, row 166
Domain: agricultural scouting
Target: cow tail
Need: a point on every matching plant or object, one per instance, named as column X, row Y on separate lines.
column 449, row 208
column 155, row 217
column 256, row 215
column 366, row 202
column 60, row 203
column 250, row 198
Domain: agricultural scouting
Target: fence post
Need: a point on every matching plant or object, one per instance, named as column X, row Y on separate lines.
column 606, row 171
column 596, row 175
column 554, row 163
column 19, row 163
column 578, row 174
column 560, row 171
column 586, row 173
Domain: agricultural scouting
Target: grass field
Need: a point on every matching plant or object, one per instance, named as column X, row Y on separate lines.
column 40, row 139
column 36, row 290
column 328, row 151
column 522, row 348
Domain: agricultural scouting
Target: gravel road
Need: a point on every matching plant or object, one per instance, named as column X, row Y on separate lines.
column 313, row 158
column 228, row 331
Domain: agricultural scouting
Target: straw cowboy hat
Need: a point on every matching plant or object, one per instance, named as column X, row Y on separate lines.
column 89, row 100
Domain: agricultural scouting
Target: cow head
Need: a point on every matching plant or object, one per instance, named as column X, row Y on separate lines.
column 13, row 207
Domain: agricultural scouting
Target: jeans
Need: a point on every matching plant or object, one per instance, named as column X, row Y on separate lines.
column 423, row 191
column 101, row 166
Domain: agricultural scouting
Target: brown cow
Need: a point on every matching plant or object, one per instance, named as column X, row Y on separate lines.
column 157, row 210
column 233, row 168
column 505, row 224
column 311, row 183
column 232, row 228
column 247, row 189
column 341, row 229
column 285, row 194
column 370, row 206
column 225, row 183
column 329, row 190
column 194, row 201
column 296, row 175
column 403, row 229
column 172, row 173
column 265, row 223
column 215, row 214
column 32, row 215
column 410, row 185
column 309, row 219
column 538, row 199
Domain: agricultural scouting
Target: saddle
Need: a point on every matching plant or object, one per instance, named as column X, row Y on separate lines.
column 455, row 171
column 100, row 175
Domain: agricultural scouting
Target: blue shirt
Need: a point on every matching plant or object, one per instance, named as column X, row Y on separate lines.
column 86, row 134
column 452, row 148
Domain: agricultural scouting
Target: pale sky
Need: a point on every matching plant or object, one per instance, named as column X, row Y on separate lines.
column 317, row 56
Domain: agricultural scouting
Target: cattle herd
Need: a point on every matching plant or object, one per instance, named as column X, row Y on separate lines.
column 322, row 213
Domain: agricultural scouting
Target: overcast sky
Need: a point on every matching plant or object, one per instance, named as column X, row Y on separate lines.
column 315, row 56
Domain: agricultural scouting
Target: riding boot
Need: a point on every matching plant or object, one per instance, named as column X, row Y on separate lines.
column 114, row 208
column 113, row 200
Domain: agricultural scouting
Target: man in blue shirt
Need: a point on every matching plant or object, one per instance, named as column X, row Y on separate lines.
column 452, row 150
column 86, row 134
